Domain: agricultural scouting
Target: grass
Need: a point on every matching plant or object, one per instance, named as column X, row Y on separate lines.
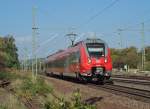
column 3, row 106
column 8, row 76
column 30, row 88
column 9, row 101
column 74, row 103
column 26, row 87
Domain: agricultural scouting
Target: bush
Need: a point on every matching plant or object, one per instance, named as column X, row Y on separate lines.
column 58, row 104
column 30, row 88
column 147, row 66
column 75, row 103
column 3, row 107
column 7, row 76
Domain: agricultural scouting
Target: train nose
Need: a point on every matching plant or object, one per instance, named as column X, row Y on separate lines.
column 97, row 70
column 97, row 61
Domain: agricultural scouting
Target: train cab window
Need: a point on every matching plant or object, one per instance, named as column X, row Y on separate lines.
column 96, row 50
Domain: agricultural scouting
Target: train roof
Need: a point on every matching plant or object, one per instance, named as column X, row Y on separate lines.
column 59, row 51
column 88, row 40
column 91, row 40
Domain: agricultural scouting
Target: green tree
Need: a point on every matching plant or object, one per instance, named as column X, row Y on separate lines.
column 117, row 58
column 132, row 58
column 147, row 53
column 3, row 55
column 147, row 57
column 124, row 56
column 11, row 50
column 8, row 52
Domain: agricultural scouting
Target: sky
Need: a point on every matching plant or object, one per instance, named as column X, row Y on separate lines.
column 87, row 18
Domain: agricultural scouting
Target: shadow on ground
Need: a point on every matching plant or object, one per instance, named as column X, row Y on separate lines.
column 92, row 100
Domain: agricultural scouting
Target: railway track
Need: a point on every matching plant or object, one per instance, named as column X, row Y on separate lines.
column 133, row 93
column 132, row 77
column 30, row 104
column 131, row 80
column 4, row 83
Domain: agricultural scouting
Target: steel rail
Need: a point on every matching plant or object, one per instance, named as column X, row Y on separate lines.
column 28, row 104
column 132, row 77
column 138, row 94
column 132, row 81
column 134, row 93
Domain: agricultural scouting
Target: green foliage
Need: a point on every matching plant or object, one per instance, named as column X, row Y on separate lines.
column 7, row 76
column 55, row 104
column 76, row 103
column 124, row 56
column 8, row 52
column 30, row 88
column 147, row 53
column 3, row 107
column 130, row 56
column 147, row 66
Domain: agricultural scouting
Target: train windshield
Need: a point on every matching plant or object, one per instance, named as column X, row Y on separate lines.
column 96, row 49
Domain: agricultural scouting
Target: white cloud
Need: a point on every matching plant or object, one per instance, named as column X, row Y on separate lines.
column 23, row 39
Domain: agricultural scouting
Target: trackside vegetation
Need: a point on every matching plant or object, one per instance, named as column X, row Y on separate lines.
column 130, row 56
column 25, row 87
column 29, row 89
column 75, row 103
column 8, row 52
column 38, row 89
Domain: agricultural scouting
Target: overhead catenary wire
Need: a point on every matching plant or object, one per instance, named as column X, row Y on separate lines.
column 139, row 23
column 132, row 30
column 99, row 13
column 46, row 41
column 96, row 15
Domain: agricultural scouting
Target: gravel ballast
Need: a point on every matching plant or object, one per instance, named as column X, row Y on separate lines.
column 101, row 98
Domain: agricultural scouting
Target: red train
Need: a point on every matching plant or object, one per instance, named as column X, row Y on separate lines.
column 87, row 60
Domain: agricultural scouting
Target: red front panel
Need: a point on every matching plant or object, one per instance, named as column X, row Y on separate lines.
column 88, row 62
column 85, row 66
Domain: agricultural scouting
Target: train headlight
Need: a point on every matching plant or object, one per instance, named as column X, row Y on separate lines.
column 89, row 60
column 105, row 60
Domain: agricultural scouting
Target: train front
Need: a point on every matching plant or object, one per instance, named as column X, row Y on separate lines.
column 96, row 61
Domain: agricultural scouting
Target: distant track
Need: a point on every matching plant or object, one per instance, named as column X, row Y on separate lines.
column 132, row 77
column 131, row 81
